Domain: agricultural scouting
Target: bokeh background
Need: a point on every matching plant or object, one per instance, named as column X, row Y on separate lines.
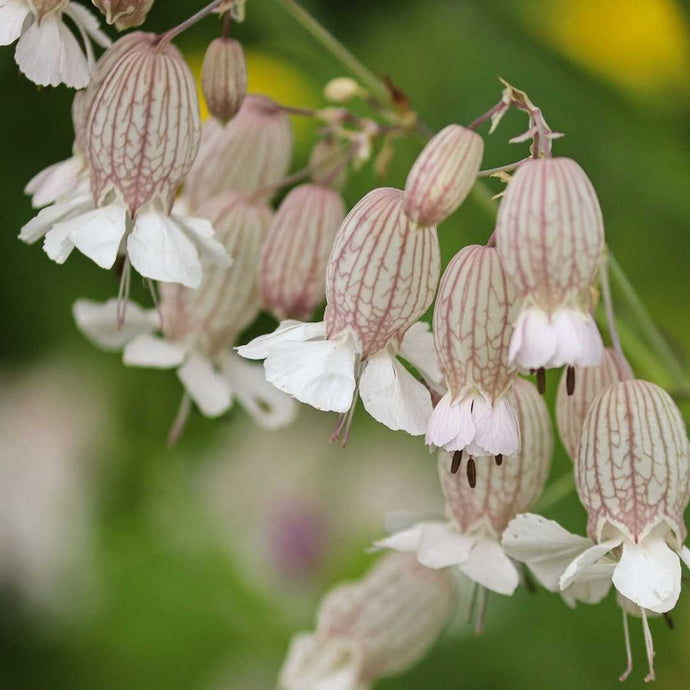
column 124, row 564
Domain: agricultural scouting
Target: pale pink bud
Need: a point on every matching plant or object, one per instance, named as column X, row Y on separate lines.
column 125, row 14
column 328, row 165
column 443, row 175
column 472, row 328
column 252, row 151
column 503, row 492
column 342, row 89
column 292, row 270
column 633, row 464
column 587, row 383
column 372, row 628
column 143, row 128
column 224, row 78
column 550, row 237
column 382, row 273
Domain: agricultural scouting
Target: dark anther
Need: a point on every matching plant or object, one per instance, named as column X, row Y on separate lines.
column 471, row 473
column 499, row 459
column 669, row 621
column 455, row 464
column 541, row 380
column 532, row 372
column 570, row 380
column 527, row 578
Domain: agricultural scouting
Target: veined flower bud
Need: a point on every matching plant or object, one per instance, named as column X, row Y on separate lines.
column 224, row 78
column 292, row 270
column 327, row 164
column 373, row 628
column 125, row 14
column 550, row 237
column 382, row 273
column 342, row 89
column 443, row 175
column 252, row 151
column 572, row 408
column 143, row 129
column 472, row 329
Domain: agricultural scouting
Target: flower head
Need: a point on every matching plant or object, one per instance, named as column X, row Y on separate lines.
column 550, row 237
column 372, row 628
column 125, row 14
column 224, row 78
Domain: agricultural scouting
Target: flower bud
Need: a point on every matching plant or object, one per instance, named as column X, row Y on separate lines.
column 571, row 409
column 341, row 89
column 252, row 151
column 633, row 464
column 327, row 164
column 125, row 14
column 378, row 626
column 382, row 273
column 224, row 78
column 503, row 492
column 443, row 175
column 292, row 270
column 143, row 127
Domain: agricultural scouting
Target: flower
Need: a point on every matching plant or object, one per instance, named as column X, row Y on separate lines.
column 443, row 175
column 135, row 171
column 572, row 404
column 292, row 269
column 550, row 238
column 381, row 278
column 632, row 476
column 47, row 51
column 375, row 627
column 199, row 326
column 476, row 517
column 125, row 14
column 224, row 78
column 474, row 309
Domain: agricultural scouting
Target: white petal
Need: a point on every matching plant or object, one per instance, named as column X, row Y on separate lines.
column 208, row 388
column 296, row 331
column 55, row 181
column 490, row 567
column 450, row 424
column 392, row 396
column 533, row 342
column 649, row 574
column 57, row 244
column 319, row 373
column 98, row 322
column 87, row 21
column 98, row 233
column 417, row 347
column 149, row 351
column 13, row 14
column 592, row 585
column 497, row 431
column 586, row 560
column 269, row 407
column 406, row 540
column 440, row 546
column 41, row 223
column 159, row 249
column 200, row 232
column 685, row 556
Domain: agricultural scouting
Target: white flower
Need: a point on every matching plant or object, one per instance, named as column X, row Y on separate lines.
column 47, row 51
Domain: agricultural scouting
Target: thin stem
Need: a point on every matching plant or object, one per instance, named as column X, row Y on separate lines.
column 608, row 305
column 175, row 31
column 502, row 168
column 367, row 78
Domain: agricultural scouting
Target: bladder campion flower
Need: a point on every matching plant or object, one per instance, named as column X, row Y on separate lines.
column 224, row 78
column 125, row 14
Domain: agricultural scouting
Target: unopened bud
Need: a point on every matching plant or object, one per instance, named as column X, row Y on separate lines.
column 292, row 271
column 224, row 78
column 327, row 164
column 443, row 175
column 125, row 14
column 342, row 89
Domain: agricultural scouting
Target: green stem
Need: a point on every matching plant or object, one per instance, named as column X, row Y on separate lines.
column 365, row 76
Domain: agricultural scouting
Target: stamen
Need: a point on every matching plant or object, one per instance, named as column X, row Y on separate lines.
column 481, row 613
column 180, row 422
column 471, row 473
column 570, row 380
column 499, row 459
column 469, row 613
column 669, row 621
column 528, row 580
column 628, row 651
column 541, row 380
column 649, row 646
column 455, row 463
column 123, row 293
column 341, row 433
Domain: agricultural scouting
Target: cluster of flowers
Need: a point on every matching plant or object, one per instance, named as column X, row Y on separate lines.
column 189, row 206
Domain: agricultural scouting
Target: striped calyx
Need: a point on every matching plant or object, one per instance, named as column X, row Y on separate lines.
column 572, row 409
column 292, row 269
column 224, row 78
column 443, row 175
column 213, row 315
column 382, row 272
column 503, row 492
column 327, row 164
column 125, row 14
column 143, row 126
column 372, row 628
column 633, row 463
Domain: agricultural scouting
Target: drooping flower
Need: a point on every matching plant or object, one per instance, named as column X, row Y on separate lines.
column 136, row 170
column 443, row 175
column 47, row 52
column 199, row 326
column 632, row 476
column 224, row 78
column 372, row 628
column 381, row 278
column 573, row 401
column 550, row 238
column 476, row 517
column 125, row 14
column 474, row 310
column 251, row 152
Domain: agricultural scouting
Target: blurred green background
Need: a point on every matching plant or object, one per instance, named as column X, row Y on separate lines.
column 127, row 565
